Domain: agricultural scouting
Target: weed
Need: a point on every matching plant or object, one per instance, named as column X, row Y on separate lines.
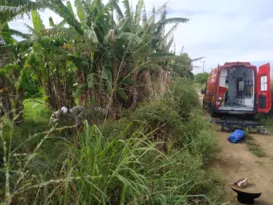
column 254, row 147
column 119, row 162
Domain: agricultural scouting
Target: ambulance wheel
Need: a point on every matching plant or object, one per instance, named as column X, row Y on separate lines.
column 212, row 111
column 214, row 114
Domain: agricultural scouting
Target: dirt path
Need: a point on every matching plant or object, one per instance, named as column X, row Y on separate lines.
column 237, row 162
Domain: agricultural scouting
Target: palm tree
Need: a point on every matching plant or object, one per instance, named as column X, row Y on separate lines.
column 113, row 57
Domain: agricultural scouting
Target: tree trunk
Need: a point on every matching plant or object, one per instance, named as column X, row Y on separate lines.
column 5, row 102
column 134, row 89
column 10, row 98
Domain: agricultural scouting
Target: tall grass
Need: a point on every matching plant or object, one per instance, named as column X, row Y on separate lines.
column 156, row 154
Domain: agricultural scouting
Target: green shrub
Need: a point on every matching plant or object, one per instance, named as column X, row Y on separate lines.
column 182, row 97
column 119, row 162
column 134, row 171
column 30, row 85
column 201, row 78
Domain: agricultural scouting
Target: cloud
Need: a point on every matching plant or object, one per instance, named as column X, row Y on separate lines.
column 225, row 30
column 221, row 31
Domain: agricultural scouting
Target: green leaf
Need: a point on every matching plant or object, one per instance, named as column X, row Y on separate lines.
column 91, row 80
column 20, row 34
column 51, row 22
column 59, row 8
column 122, row 94
column 107, row 76
column 127, row 8
column 138, row 11
column 118, row 10
column 80, row 10
column 79, row 90
column 37, row 21
column 91, row 35
column 173, row 20
column 69, row 7
column 6, row 34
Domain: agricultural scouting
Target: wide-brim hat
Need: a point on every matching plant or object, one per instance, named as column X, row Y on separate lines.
column 247, row 194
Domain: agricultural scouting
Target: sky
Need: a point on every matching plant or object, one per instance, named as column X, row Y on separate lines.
column 220, row 31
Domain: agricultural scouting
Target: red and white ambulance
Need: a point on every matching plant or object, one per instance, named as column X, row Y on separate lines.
column 238, row 88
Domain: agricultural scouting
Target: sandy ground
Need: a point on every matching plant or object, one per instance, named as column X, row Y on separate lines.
column 237, row 162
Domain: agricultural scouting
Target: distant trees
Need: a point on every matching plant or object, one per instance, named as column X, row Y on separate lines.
column 201, row 78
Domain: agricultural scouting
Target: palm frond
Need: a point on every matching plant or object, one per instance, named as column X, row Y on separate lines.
column 173, row 20
column 51, row 22
column 20, row 34
column 197, row 59
column 80, row 10
column 130, row 37
column 6, row 34
column 170, row 43
column 105, row 11
column 69, row 7
column 20, row 4
column 144, row 15
column 171, row 31
column 138, row 11
column 162, row 54
column 91, row 35
column 59, row 8
column 120, row 15
column 127, row 8
column 65, row 33
column 8, row 13
column 37, row 21
column 9, row 9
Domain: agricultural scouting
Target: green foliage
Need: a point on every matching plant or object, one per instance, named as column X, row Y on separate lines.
column 119, row 162
column 156, row 154
column 253, row 147
column 183, row 97
column 30, row 86
column 201, row 78
column 134, row 171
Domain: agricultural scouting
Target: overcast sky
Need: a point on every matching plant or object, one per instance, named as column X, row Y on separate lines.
column 221, row 31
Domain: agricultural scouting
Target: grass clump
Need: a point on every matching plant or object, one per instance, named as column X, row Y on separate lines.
column 156, row 154
column 253, row 147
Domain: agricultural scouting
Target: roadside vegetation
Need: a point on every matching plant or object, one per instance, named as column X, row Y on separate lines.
column 253, row 147
column 201, row 79
column 156, row 154
column 154, row 147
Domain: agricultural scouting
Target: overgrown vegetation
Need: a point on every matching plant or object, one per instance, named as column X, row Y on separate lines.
column 201, row 80
column 153, row 147
column 153, row 155
column 253, row 147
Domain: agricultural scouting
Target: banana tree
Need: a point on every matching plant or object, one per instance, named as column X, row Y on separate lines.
column 12, row 58
column 113, row 56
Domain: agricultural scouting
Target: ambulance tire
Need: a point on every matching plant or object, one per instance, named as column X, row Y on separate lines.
column 214, row 114
column 212, row 111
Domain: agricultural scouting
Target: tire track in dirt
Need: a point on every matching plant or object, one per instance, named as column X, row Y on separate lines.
column 236, row 161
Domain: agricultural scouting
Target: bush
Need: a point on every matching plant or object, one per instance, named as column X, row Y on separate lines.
column 30, row 86
column 182, row 97
column 121, row 162
column 201, row 78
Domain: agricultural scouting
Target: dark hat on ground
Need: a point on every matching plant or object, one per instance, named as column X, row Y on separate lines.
column 247, row 194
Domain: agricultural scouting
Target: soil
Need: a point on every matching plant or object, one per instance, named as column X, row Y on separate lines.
column 236, row 162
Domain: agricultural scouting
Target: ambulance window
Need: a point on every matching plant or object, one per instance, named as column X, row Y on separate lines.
column 264, row 83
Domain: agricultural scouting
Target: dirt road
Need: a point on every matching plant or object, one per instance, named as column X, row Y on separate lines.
column 237, row 162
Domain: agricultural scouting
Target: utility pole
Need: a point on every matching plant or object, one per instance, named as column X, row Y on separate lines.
column 203, row 66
